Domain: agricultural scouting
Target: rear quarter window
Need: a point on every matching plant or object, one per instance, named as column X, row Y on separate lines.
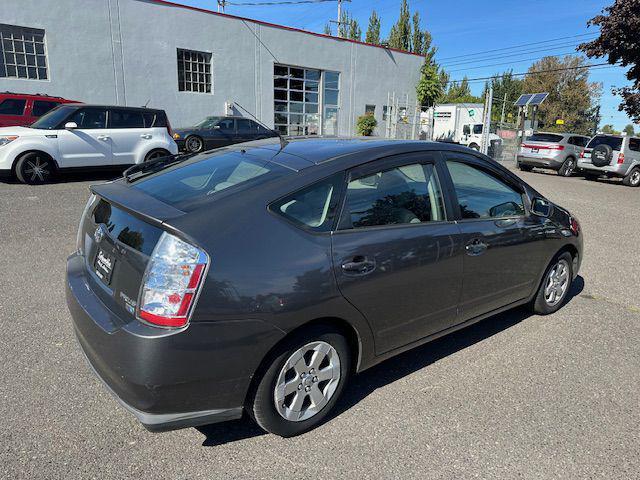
column 614, row 142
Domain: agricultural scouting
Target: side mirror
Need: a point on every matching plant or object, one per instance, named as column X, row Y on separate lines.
column 70, row 126
column 541, row 207
column 216, row 127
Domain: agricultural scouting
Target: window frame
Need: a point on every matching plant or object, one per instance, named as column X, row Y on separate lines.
column 12, row 31
column 15, row 99
column 482, row 165
column 207, row 71
column 75, row 111
column 113, row 110
column 432, row 157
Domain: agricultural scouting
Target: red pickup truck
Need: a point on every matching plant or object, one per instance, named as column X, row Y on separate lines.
column 23, row 109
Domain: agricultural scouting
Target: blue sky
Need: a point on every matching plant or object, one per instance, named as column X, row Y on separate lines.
column 462, row 27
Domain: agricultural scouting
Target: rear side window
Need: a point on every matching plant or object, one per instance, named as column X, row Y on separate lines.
column 313, row 207
column 404, row 195
column 154, row 119
column 12, row 106
column 545, row 137
column 40, row 107
column 246, row 125
column 126, row 119
column 481, row 195
column 188, row 185
column 634, row 144
column 614, row 142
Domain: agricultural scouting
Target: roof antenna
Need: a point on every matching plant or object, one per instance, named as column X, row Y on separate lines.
column 145, row 105
column 283, row 142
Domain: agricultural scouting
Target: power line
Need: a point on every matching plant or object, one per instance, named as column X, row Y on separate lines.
column 481, row 79
column 518, row 46
column 509, row 63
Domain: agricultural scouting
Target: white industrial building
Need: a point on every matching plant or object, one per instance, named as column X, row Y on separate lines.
column 194, row 63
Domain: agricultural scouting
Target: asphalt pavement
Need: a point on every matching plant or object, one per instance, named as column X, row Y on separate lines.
column 515, row 396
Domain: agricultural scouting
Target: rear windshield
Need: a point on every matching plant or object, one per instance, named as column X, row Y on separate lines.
column 188, row 185
column 614, row 142
column 545, row 137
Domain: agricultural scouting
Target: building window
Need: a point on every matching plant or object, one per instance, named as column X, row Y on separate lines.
column 296, row 100
column 370, row 110
column 194, row 71
column 385, row 113
column 330, row 100
column 22, row 53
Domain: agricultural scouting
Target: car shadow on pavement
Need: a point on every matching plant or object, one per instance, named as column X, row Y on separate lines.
column 391, row 370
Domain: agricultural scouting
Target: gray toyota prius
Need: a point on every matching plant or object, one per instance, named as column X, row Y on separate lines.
column 258, row 278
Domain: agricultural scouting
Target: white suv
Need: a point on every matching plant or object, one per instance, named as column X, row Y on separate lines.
column 77, row 136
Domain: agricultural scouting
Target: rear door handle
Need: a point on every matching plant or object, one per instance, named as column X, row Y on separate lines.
column 358, row 265
column 146, row 136
column 476, row 247
column 104, row 137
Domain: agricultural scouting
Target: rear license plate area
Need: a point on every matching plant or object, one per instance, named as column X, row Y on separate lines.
column 535, row 150
column 103, row 265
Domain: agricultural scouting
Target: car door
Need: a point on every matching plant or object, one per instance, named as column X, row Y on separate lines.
column 246, row 130
column 88, row 145
column 221, row 134
column 128, row 135
column 12, row 112
column 397, row 254
column 502, row 257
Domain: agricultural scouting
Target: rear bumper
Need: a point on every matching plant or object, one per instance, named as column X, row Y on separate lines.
column 615, row 170
column 167, row 378
column 545, row 162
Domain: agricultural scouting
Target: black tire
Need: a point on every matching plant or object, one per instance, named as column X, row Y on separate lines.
column 475, row 147
column 193, row 144
column 262, row 404
column 35, row 168
column 568, row 167
column 157, row 153
column 541, row 304
column 525, row 168
column 633, row 178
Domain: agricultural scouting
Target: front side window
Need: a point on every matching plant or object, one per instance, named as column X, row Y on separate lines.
column 313, row 207
column 194, row 71
column 246, row 125
column 126, row 119
column 90, row 118
column 54, row 118
column 481, row 195
column 12, row 106
column 477, row 129
column 22, row 53
column 403, row 195
column 40, row 107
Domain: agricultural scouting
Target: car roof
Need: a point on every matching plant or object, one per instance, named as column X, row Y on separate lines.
column 564, row 134
column 94, row 105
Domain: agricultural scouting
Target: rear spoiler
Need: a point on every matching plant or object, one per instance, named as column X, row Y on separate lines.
column 136, row 202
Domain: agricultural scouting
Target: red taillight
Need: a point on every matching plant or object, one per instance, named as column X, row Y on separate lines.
column 620, row 158
column 582, row 153
column 544, row 147
column 574, row 226
column 171, row 282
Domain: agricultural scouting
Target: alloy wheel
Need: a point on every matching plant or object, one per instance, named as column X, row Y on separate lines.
column 36, row 170
column 570, row 167
column 556, row 283
column 635, row 178
column 194, row 144
column 307, row 381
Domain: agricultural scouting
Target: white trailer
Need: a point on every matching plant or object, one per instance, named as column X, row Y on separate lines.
column 457, row 123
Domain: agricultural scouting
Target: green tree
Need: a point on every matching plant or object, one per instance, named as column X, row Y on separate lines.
column 505, row 84
column 619, row 41
column 460, row 92
column 609, row 130
column 400, row 35
column 430, row 87
column 571, row 96
column 327, row 29
column 373, row 31
column 349, row 27
column 417, row 43
column 629, row 130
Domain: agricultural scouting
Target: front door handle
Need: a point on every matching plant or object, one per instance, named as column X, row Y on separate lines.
column 146, row 136
column 476, row 247
column 358, row 265
column 104, row 137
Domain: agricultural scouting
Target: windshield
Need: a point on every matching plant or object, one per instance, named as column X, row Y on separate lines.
column 477, row 129
column 545, row 137
column 614, row 142
column 54, row 118
column 208, row 122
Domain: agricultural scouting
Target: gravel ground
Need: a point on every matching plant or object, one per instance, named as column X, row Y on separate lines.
column 515, row 396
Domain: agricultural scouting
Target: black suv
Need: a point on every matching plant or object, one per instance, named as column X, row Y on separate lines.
column 214, row 132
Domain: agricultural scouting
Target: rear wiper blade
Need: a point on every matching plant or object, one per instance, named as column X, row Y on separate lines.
column 152, row 166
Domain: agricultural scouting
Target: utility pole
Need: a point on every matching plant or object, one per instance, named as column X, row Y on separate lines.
column 504, row 105
column 338, row 22
column 487, row 121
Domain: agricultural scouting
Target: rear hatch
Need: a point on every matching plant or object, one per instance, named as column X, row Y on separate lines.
column 542, row 145
column 613, row 141
column 117, row 242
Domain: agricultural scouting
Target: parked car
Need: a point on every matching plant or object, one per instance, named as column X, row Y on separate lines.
column 21, row 109
column 555, row 151
column 613, row 156
column 215, row 132
column 259, row 278
column 78, row 136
